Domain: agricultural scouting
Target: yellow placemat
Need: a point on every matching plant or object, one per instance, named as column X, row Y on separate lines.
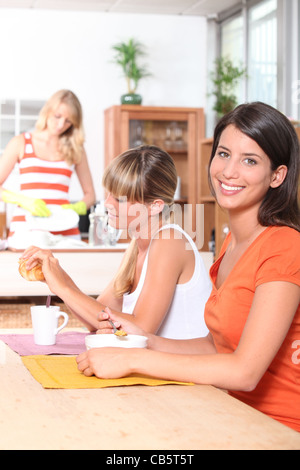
column 62, row 372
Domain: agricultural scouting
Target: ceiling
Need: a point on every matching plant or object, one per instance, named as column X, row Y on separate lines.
column 161, row 7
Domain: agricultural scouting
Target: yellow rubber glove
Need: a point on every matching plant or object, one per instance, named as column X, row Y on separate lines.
column 35, row 206
column 79, row 207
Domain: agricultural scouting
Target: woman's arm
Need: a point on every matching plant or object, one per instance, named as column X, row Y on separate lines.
column 203, row 345
column 85, row 179
column 10, row 157
column 270, row 317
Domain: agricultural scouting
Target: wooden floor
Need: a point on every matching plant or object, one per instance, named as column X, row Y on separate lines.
column 15, row 312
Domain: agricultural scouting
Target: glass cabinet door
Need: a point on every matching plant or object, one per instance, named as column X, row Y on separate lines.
column 170, row 136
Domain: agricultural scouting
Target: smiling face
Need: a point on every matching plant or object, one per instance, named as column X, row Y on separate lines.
column 241, row 172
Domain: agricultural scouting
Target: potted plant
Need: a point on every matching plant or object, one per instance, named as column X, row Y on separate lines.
column 127, row 55
column 225, row 79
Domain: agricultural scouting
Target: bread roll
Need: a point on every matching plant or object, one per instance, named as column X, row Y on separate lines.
column 34, row 274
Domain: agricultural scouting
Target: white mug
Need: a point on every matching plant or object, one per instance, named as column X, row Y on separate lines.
column 45, row 324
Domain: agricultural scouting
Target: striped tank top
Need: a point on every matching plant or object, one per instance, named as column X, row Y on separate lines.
column 42, row 179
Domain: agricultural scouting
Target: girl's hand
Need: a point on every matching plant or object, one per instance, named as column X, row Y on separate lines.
column 55, row 276
column 119, row 322
column 34, row 255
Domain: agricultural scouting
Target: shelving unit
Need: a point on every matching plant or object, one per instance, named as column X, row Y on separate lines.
column 176, row 130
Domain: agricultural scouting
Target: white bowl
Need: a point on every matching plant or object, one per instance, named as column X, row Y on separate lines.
column 111, row 340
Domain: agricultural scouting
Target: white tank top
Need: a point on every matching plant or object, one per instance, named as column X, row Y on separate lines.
column 185, row 317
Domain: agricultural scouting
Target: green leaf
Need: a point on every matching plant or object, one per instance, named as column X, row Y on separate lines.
column 225, row 79
column 127, row 56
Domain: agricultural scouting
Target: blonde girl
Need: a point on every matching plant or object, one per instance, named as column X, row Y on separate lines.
column 162, row 284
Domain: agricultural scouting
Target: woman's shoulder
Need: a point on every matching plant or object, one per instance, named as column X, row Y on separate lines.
column 279, row 255
column 282, row 234
column 15, row 146
column 18, row 140
column 280, row 241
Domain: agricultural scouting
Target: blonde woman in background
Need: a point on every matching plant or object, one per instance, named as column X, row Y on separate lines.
column 162, row 282
column 47, row 158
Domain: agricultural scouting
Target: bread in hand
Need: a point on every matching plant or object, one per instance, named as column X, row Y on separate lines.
column 34, row 274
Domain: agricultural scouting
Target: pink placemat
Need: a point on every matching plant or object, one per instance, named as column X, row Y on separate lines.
column 69, row 343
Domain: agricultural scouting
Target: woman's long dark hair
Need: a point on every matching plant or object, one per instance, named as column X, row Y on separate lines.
column 276, row 136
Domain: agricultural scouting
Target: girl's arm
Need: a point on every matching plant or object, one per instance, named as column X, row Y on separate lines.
column 270, row 317
column 59, row 282
column 168, row 259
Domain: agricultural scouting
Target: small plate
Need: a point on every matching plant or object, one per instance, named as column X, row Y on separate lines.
column 59, row 220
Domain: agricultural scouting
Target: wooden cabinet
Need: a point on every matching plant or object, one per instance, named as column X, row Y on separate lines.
column 176, row 130
column 215, row 219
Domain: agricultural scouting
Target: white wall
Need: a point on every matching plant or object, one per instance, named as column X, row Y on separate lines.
column 43, row 51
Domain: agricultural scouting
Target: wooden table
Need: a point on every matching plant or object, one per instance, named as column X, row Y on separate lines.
column 136, row 417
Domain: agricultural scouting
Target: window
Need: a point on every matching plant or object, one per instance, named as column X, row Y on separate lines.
column 250, row 37
column 232, row 39
column 17, row 116
column 262, row 53
column 232, row 46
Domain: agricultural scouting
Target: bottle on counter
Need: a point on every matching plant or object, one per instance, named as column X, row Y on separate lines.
column 92, row 226
column 98, row 230
column 101, row 236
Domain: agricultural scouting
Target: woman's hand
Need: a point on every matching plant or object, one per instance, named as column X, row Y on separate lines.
column 107, row 363
column 119, row 322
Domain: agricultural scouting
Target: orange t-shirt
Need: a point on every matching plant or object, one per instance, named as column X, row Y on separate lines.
column 273, row 256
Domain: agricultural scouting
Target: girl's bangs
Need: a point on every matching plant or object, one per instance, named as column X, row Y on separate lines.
column 119, row 182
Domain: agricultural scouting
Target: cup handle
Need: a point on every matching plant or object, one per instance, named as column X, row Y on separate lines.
column 66, row 317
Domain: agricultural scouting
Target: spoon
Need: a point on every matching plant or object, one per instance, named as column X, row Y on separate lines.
column 116, row 331
column 48, row 301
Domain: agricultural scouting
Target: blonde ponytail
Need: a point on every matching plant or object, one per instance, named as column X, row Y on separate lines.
column 142, row 174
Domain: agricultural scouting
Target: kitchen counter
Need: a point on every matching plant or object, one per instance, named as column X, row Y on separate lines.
column 91, row 269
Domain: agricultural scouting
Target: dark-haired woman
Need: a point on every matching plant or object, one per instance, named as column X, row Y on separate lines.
column 253, row 312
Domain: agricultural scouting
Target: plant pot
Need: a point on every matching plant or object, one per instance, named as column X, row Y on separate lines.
column 131, row 98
